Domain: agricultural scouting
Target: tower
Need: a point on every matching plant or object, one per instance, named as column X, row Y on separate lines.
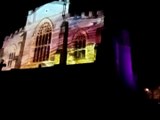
column 64, row 31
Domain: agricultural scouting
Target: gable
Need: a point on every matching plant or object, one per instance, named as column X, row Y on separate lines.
column 47, row 10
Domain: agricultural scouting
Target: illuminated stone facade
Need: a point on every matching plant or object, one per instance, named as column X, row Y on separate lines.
column 40, row 41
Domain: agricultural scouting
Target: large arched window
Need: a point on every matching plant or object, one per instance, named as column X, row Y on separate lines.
column 43, row 40
column 80, row 44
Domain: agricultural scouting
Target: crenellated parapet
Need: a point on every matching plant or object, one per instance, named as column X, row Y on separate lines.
column 89, row 14
column 20, row 30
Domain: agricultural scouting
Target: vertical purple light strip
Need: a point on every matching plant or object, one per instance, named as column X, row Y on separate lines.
column 126, row 64
column 124, row 58
column 127, row 58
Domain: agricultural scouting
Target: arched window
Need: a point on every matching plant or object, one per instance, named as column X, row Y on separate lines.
column 43, row 40
column 11, row 58
column 80, row 44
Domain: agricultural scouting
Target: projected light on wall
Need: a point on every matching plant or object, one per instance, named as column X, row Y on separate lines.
column 40, row 41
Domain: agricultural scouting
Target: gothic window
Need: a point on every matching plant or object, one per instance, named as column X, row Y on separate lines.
column 80, row 44
column 42, row 46
column 11, row 58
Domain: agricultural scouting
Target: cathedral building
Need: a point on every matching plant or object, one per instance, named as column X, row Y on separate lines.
column 40, row 41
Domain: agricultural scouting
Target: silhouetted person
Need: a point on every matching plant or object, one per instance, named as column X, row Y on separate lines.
column 2, row 64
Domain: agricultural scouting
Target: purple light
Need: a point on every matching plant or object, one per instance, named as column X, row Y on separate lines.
column 126, row 64
column 124, row 59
